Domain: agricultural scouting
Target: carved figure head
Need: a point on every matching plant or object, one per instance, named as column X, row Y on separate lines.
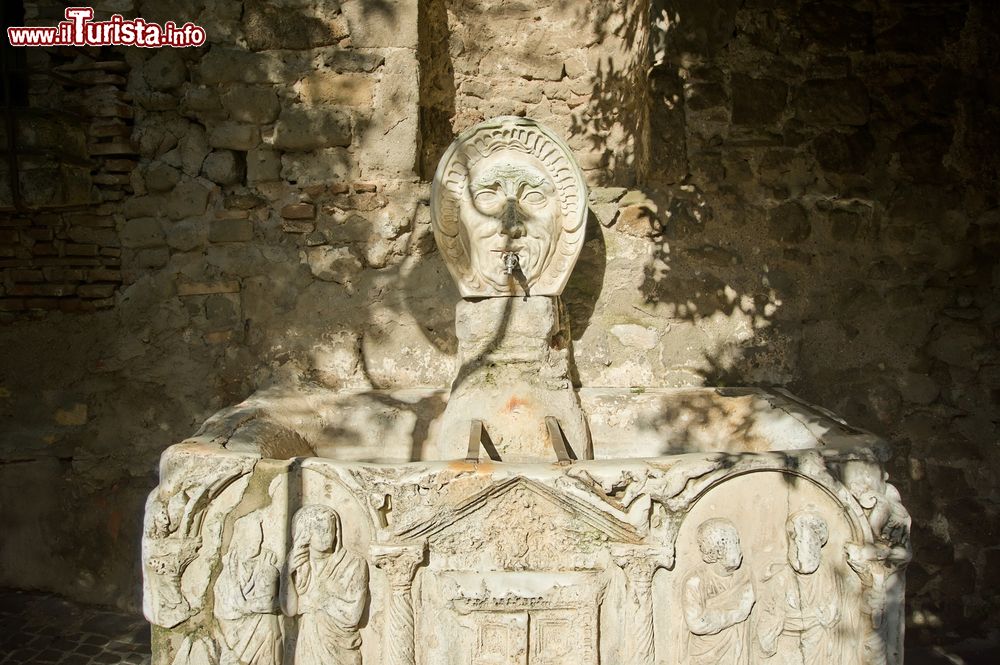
column 719, row 542
column 505, row 188
column 248, row 537
column 866, row 481
column 156, row 522
column 807, row 534
column 317, row 526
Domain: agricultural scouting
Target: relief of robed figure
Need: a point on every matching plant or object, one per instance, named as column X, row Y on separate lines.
column 717, row 598
column 246, row 600
column 326, row 588
column 798, row 619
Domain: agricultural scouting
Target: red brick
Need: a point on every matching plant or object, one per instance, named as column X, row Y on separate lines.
column 314, row 191
column 63, row 274
column 232, row 214
column 113, row 147
column 48, row 290
column 87, row 219
column 50, row 219
column 96, row 290
column 41, row 303
column 104, row 275
column 119, row 165
column 78, row 261
column 106, row 128
column 38, row 234
column 11, row 304
column 299, row 211
column 26, row 275
column 113, row 179
column 78, row 249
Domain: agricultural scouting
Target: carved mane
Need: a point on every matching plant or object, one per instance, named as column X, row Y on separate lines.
column 451, row 184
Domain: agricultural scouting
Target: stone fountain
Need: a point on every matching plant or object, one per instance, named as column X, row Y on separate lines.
column 539, row 524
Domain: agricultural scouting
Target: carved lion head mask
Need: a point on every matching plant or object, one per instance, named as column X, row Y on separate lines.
column 508, row 206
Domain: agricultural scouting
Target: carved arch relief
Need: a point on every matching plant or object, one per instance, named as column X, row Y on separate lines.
column 761, row 576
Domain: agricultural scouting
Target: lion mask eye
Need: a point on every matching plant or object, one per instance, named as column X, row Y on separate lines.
column 533, row 197
column 488, row 198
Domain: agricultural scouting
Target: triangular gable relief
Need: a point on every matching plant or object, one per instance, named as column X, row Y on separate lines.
column 587, row 516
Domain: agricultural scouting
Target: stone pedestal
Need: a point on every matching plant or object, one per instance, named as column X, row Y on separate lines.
column 514, row 372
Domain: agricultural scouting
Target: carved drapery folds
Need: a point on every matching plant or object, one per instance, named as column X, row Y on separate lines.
column 803, row 600
column 325, row 590
column 247, row 611
column 399, row 562
column 717, row 597
column 880, row 564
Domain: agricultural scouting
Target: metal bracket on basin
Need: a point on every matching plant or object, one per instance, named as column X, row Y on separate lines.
column 563, row 452
column 478, row 436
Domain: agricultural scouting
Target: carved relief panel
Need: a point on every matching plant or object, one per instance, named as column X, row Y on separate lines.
column 511, row 617
column 542, row 637
column 762, row 577
column 501, row 639
column 440, row 564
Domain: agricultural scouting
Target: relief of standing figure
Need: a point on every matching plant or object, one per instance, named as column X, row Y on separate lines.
column 246, row 599
column 797, row 621
column 717, row 598
column 326, row 588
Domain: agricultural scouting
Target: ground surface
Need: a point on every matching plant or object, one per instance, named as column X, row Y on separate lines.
column 43, row 628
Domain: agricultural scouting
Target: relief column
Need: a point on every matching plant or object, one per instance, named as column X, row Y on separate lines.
column 639, row 564
column 399, row 562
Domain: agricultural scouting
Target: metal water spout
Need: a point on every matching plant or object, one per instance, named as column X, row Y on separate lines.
column 511, row 262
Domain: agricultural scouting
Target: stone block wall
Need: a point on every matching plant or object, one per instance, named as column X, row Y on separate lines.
column 783, row 192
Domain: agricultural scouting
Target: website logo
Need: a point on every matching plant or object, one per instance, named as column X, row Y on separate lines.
column 79, row 29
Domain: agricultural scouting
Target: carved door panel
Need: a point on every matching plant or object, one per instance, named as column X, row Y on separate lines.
column 502, row 639
column 557, row 637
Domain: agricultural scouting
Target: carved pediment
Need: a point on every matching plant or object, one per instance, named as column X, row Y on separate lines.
column 520, row 524
column 604, row 522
